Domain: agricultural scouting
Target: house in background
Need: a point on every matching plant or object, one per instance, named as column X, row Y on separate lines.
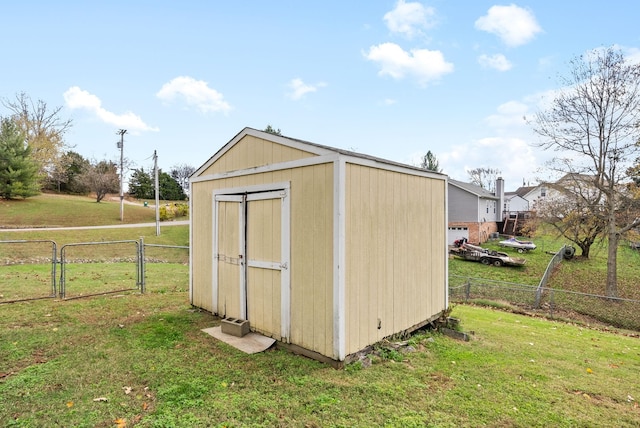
column 532, row 194
column 473, row 211
column 325, row 250
column 513, row 202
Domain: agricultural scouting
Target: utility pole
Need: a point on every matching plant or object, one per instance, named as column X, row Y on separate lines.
column 121, row 132
column 157, row 191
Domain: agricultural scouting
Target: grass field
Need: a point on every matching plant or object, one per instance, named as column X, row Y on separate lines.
column 578, row 274
column 141, row 360
column 53, row 210
column 130, row 359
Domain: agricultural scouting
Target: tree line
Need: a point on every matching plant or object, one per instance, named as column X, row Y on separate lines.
column 34, row 157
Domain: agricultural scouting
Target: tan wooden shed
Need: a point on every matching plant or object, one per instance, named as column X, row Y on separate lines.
column 326, row 250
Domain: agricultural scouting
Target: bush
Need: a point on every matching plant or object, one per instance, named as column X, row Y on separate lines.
column 169, row 212
column 166, row 213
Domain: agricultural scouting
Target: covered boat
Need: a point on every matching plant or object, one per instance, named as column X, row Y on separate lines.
column 521, row 246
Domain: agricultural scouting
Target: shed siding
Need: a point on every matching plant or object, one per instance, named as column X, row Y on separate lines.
column 251, row 152
column 395, row 257
column 311, row 196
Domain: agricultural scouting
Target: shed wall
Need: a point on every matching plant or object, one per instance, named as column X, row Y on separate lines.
column 395, row 253
column 311, row 196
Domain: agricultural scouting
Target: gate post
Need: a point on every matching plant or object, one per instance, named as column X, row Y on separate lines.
column 141, row 266
column 62, row 272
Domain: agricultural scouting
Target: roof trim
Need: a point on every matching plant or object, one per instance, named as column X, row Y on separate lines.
column 314, row 148
column 473, row 189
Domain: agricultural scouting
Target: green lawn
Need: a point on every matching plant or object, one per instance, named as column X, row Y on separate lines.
column 577, row 274
column 143, row 359
column 131, row 359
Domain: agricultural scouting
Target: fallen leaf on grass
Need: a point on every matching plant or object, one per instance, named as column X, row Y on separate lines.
column 589, row 370
column 145, row 405
column 120, row 423
column 127, row 389
column 69, row 404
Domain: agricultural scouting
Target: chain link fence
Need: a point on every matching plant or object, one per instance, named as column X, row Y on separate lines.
column 554, row 303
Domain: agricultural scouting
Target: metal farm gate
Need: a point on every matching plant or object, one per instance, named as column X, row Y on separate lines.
column 101, row 281
column 29, row 268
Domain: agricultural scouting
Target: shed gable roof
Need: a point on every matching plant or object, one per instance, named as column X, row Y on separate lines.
column 306, row 146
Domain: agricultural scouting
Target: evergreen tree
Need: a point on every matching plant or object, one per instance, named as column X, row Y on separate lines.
column 271, row 130
column 170, row 189
column 430, row 162
column 18, row 171
column 141, row 184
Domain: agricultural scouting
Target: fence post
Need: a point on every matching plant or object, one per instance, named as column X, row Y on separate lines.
column 62, row 273
column 467, row 290
column 538, row 298
column 54, row 263
column 141, row 266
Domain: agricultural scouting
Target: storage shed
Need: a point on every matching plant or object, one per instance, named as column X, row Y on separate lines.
column 326, row 250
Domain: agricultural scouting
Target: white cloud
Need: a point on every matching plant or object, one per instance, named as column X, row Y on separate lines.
column 511, row 155
column 196, row 93
column 510, row 115
column 498, row 62
column 422, row 64
column 507, row 146
column 514, row 25
column 410, row 18
column 76, row 98
column 299, row 88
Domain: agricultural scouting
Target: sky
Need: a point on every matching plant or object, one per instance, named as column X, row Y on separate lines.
column 392, row 79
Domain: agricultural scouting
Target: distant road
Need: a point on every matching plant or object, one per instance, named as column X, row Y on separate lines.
column 111, row 226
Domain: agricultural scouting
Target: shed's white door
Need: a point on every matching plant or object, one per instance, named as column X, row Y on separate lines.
column 252, row 247
column 264, row 264
column 229, row 254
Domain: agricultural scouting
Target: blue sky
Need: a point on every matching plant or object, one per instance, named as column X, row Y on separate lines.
column 391, row 79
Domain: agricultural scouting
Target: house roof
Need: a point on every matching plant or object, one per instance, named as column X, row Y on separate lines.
column 308, row 146
column 510, row 195
column 522, row 191
column 472, row 188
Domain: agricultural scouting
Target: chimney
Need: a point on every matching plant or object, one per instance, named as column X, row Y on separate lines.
column 500, row 195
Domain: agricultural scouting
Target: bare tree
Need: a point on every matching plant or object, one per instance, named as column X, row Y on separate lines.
column 594, row 123
column 102, row 178
column 181, row 174
column 43, row 127
column 484, row 177
column 568, row 209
